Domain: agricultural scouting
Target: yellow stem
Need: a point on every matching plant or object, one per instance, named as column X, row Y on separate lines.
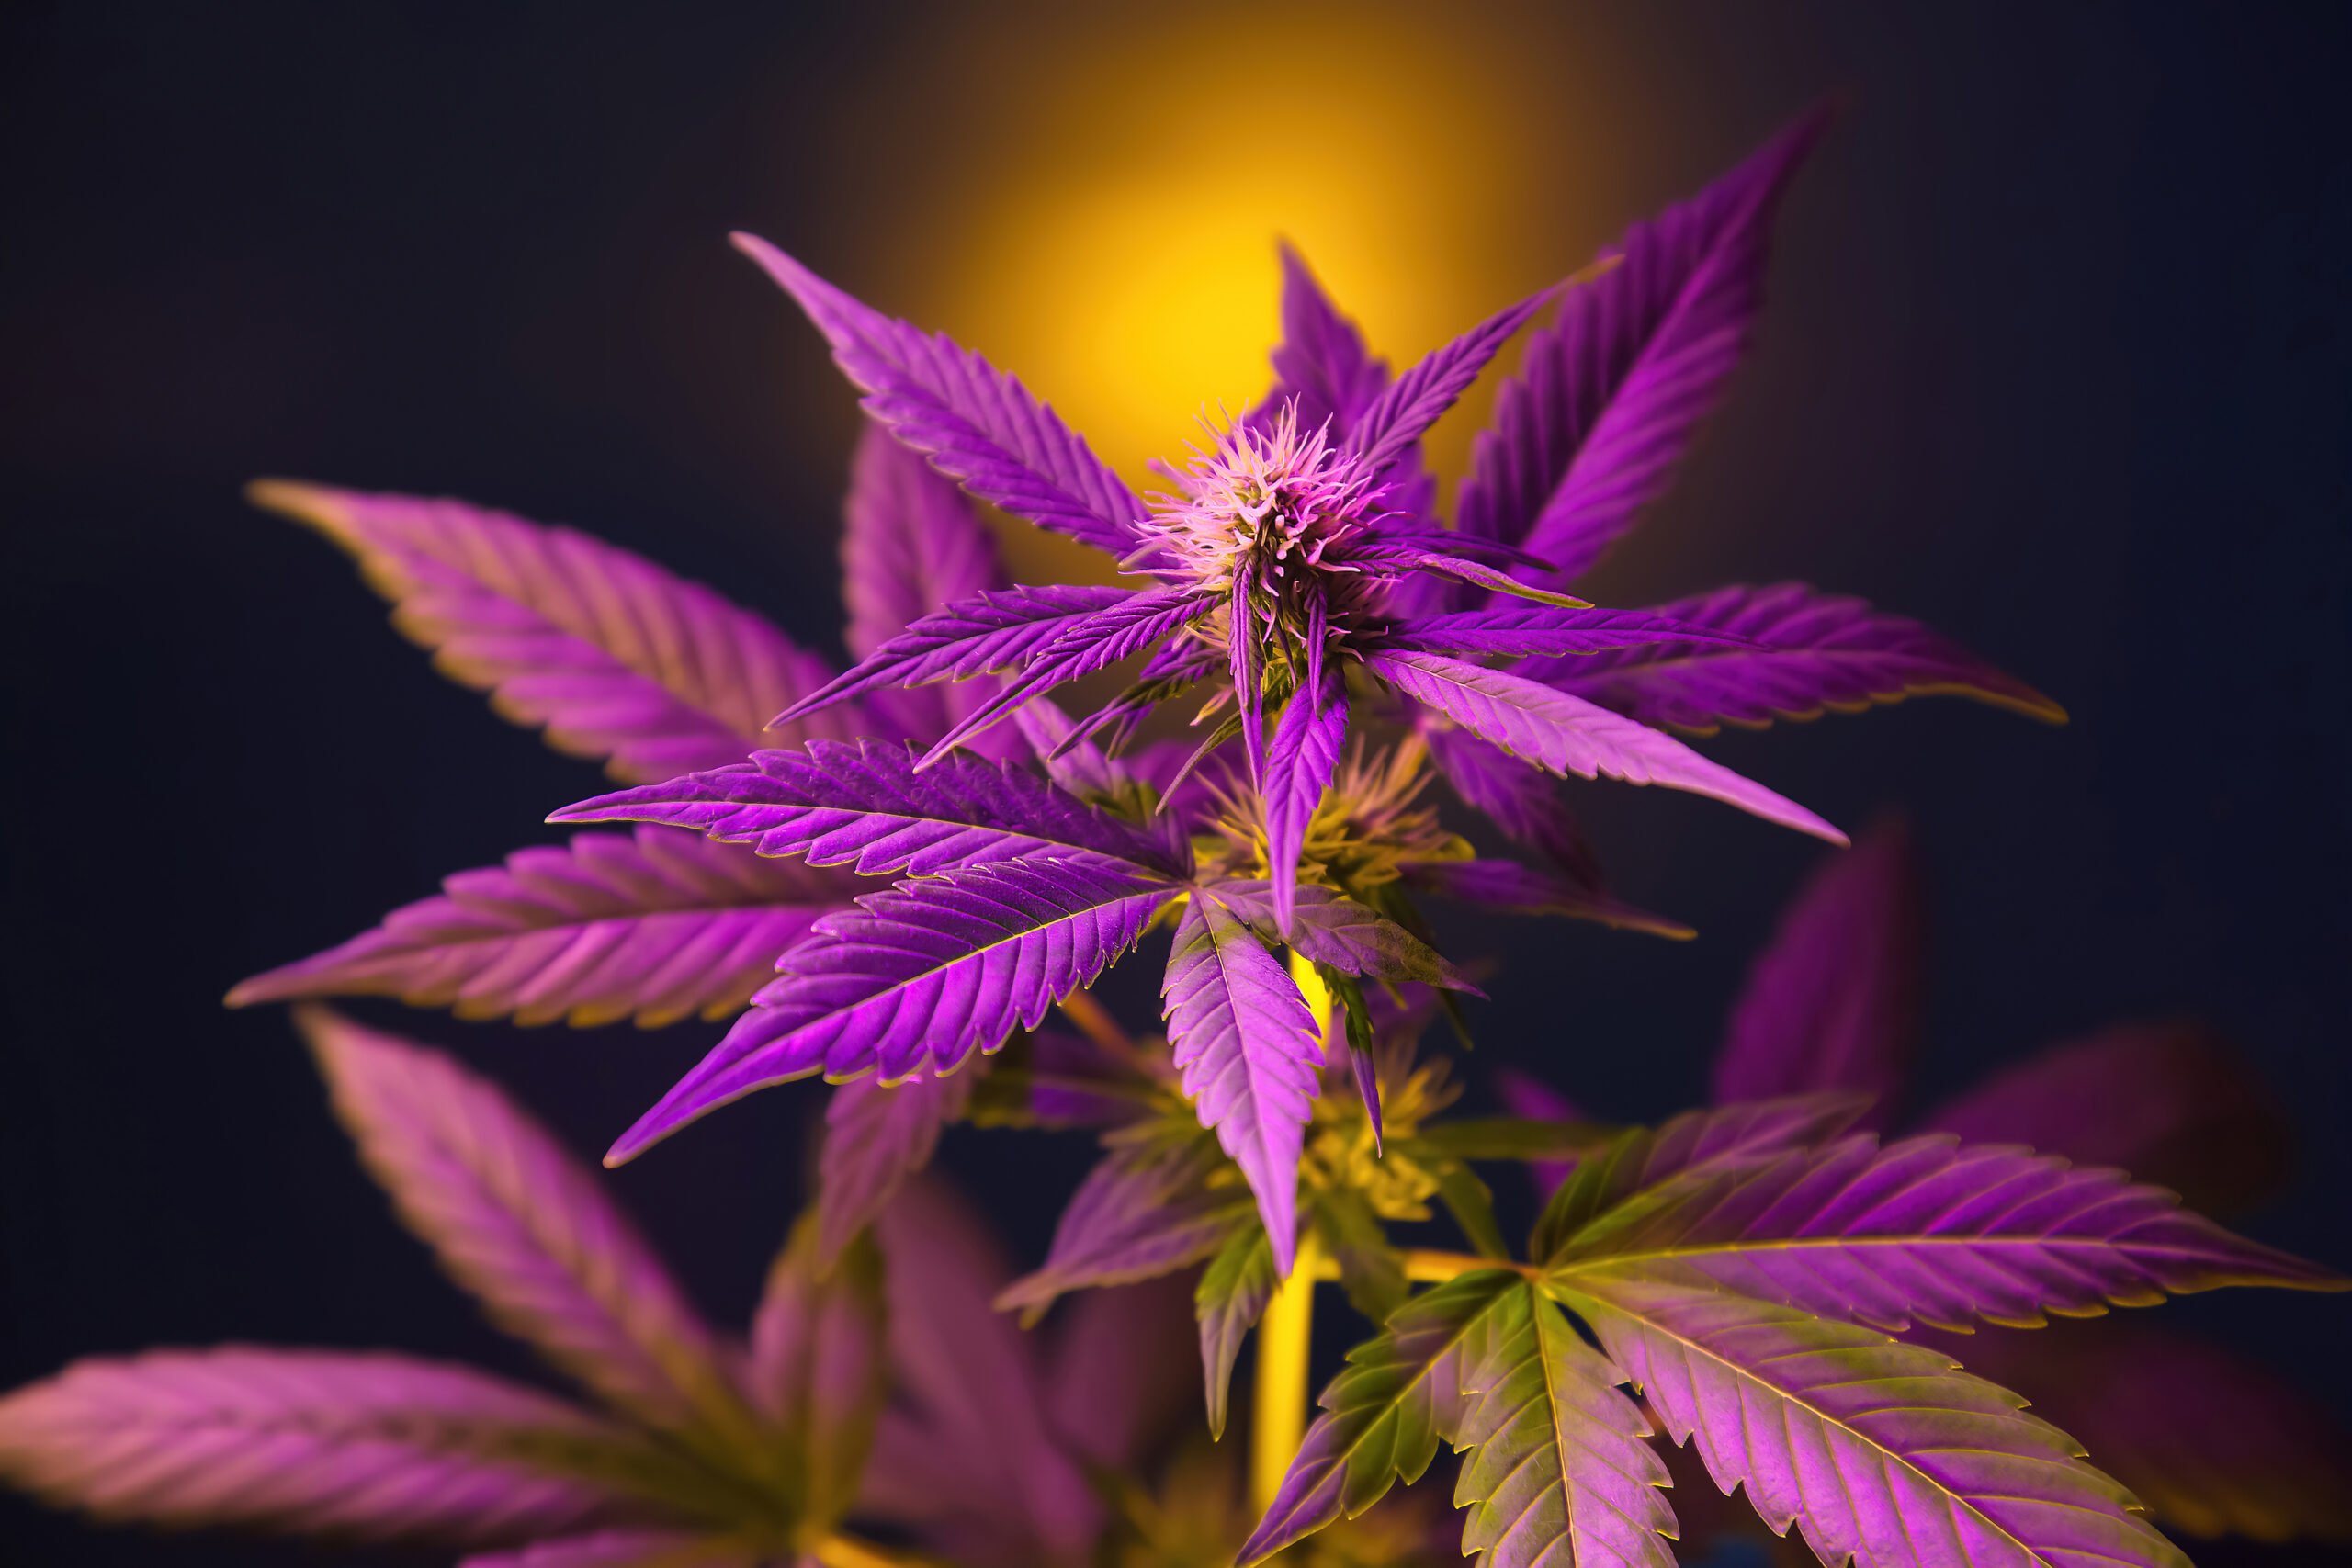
column 848, row 1551
column 1278, row 1417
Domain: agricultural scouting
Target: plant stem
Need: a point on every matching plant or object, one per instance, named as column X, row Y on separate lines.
column 1278, row 1416
column 839, row 1551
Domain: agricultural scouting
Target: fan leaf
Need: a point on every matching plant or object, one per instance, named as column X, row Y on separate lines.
column 1564, row 734
column 976, row 424
column 817, row 1373
column 1881, row 1451
column 869, row 806
column 517, row 1221
column 1559, row 1459
column 1925, row 1230
column 915, row 979
column 314, row 1442
column 1607, row 396
column 616, row 660
column 653, row 927
column 1248, row 1052
column 1823, row 652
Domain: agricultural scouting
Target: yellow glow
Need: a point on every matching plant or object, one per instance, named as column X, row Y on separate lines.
column 1105, row 225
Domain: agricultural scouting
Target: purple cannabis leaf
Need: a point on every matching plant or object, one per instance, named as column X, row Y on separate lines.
column 654, row 927
column 520, row 1225
column 1571, row 736
column 1817, row 651
column 1411, row 404
column 1321, row 363
column 1085, row 644
column 1523, row 802
column 706, row 1455
column 1559, row 1459
column 976, row 424
column 817, row 1373
column 315, row 1442
column 1690, row 1145
column 1826, row 1009
column 618, row 659
column 910, row 542
column 1300, row 762
column 872, row 806
column 1147, row 1207
column 1514, row 630
column 2213, row 1443
column 1249, row 1049
column 1834, row 1002
column 876, row 1135
column 1924, row 1230
column 1876, row 1449
column 987, row 1458
column 1609, row 394
column 915, row 979
column 992, row 631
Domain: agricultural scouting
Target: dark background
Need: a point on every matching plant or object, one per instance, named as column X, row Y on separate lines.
column 2057, row 361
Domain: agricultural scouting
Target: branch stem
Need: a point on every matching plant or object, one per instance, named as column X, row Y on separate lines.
column 1279, row 1390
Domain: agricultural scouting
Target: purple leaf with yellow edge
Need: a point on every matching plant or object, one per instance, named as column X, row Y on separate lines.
column 1300, row 762
column 1382, row 1416
column 1247, row 1049
column 1515, row 630
column 915, row 979
column 1506, row 884
column 1147, row 1207
column 629, row 1549
column 993, row 630
column 875, row 1136
column 1609, row 395
column 1726, row 1137
column 1412, row 402
column 1085, row 645
column 868, row 805
column 1559, row 1457
column 1927, row 1231
column 818, row 1374
column 911, row 543
column 614, row 658
column 1321, row 361
column 976, row 424
column 2168, row 1101
column 522, row 1227
column 1564, row 734
column 1878, row 1451
column 350, row 1442
column 1523, row 801
column 1824, row 651
column 1332, row 928
column 2213, row 1443
column 1227, row 1304
column 654, row 927
column 1833, row 1001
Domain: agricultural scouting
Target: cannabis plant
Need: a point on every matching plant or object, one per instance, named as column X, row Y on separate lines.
column 1312, row 648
